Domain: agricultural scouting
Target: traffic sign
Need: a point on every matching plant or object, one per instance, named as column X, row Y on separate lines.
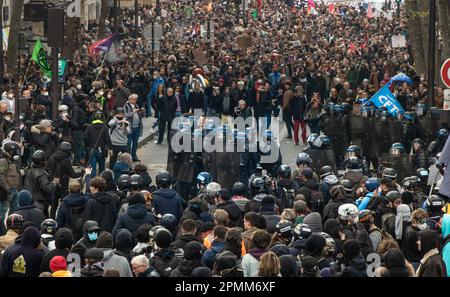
column 445, row 73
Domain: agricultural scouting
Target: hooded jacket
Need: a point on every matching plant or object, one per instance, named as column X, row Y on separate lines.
column 44, row 141
column 31, row 213
column 22, row 259
column 38, row 183
column 181, row 241
column 356, row 267
column 168, row 201
column 9, row 173
column 72, row 205
column 60, row 166
column 63, row 244
column 102, row 208
column 209, row 257
column 97, row 136
column 113, row 261
column 409, row 244
column 234, row 213
column 431, row 264
column 446, row 240
column 136, row 216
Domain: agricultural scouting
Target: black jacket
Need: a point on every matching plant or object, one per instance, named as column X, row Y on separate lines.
column 45, row 264
column 297, row 107
column 234, row 213
column 44, row 141
column 271, row 221
column 182, row 240
column 167, row 107
column 31, row 214
column 97, row 136
column 60, row 166
column 409, row 244
column 136, row 216
column 103, row 209
column 38, row 183
column 168, row 201
column 71, row 207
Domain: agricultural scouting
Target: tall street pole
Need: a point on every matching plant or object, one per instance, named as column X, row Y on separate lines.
column 116, row 23
column 136, row 21
column 2, row 65
column 55, row 83
column 431, row 51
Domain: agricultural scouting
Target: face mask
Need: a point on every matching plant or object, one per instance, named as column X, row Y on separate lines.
column 119, row 118
column 10, row 96
column 92, row 236
column 79, row 87
column 423, row 226
column 109, row 96
column 101, row 93
column 45, row 94
column 7, row 118
column 16, row 157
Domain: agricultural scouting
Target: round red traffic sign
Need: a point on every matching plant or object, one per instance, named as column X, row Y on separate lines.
column 445, row 73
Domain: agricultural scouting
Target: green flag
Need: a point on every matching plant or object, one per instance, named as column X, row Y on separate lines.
column 40, row 57
column 255, row 14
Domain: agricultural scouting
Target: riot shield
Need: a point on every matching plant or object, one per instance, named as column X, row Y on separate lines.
column 228, row 170
column 321, row 158
column 357, row 129
column 401, row 163
column 382, row 139
column 395, row 130
column 341, row 141
column 428, row 126
column 181, row 165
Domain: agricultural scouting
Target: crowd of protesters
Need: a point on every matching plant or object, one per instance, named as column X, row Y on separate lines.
column 100, row 222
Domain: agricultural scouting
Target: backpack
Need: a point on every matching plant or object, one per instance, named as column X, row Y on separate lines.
column 76, row 220
column 384, row 235
column 235, row 271
column 317, row 202
column 165, row 267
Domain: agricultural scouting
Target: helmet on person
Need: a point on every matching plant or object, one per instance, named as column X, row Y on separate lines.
column 12, row 149
column 204, row 178
column 14, row 221
column 421, row 109
column 169, row 221
column 322, row 142
column 120, row 110
column 354, row 163
column 163, row 179
column 442, row 134
column 136, row 182
column 98, row 116
column 391, row 196
column 347, row 211
column 267, row 134
column 366, row 112
column 238, row 189
column 389, row 173
column 302, row 231
column 284, row 171
column 257, row 185
column 311, row 138
column 410, row 182
column 303, row 158
column 417, row 144
column 434, row 203
column 371, row 184
column 39, row 157
column 347, row 107
column 353, row 151
column 209, row 126
column 434, row 112
column 285, row 229
column 330, row 245
column 397, row 149
column 325, row 171
column 337, row 109
column 366, row 215
column 212, row 188
column 422, row 174
column 49, row 226
column 65, row 147
column 329, row 107
column 384, row 115
column 152, row 233
column 123, row 183
column 348, row 185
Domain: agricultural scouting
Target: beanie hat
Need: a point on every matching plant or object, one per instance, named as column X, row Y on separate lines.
column 94, row 254
column 201, row 272
column 309, row 265
column 351, row 249
column 314, row 221
column 308, row 173
column 193, row 250
column 24, row 198
column 58, row 263
column 105, row 240
column 163, row 238
column 64, row 238
column 136, row 199
column 315, row 244
column 267, row 204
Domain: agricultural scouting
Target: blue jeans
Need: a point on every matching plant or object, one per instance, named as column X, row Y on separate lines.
column 9, row 204
column 133, row 139
column 97, row 157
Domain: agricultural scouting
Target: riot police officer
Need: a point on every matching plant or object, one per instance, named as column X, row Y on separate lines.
column 428, row 121
column 409, row 130
column 380, row 127
column 39, row 182
column 354, row 170
column 437, row 145
column 320, row 152
column 419, row 158
column 355, row 151
column 398, row 160
column 285, row 188
column 270, row 150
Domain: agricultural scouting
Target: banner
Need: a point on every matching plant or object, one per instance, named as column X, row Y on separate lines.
column 385, row 98
column 401, row 77
column 40, row 57
column 62, row 63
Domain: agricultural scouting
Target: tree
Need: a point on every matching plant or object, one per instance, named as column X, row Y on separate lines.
column 443, row 10
column 103, row 16
column 417, row 35
column 13, row 39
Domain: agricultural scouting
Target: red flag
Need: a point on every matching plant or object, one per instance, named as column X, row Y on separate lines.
column 259, row 7
column 331, row 8
column 369, row 11
column 101, row 45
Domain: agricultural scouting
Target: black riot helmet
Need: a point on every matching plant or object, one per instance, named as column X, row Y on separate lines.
column 98, row 116
column 257, row 185
column 136, row 182
column 434, row 203
column 238, row 189
column 65, row 147
column 347, row 184
column 389, row 173
column 163, row 179
column 284, row 171
column 169, row 221
column 354, row 163
column 123, row 183
column 39, row 157
column 12, row 149
column 325, row 171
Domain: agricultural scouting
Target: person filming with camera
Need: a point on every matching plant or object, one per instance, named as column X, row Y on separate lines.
column 119, row 128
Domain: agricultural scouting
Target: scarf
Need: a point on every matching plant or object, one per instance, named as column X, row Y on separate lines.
column 403, row 214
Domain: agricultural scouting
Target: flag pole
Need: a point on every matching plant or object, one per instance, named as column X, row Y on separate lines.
column 101, row 66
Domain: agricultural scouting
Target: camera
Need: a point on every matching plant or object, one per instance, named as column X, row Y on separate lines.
column 237, row 110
